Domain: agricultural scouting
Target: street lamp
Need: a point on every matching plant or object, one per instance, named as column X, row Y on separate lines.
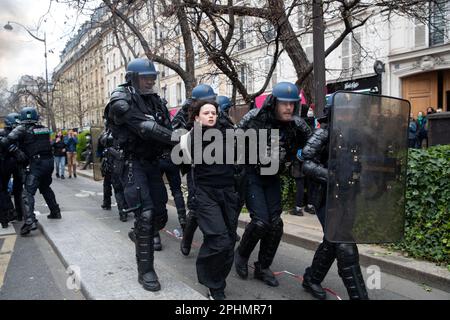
column 9, row 27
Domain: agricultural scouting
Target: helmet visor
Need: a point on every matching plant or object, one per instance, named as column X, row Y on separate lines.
column 147, row 83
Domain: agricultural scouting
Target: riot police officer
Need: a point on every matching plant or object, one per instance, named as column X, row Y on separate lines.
column 34, row 140
column 315, row 157
column 224, row 108
column 110, row 181
column 202, row 92
column 12, row 166
column 263, row 199
column 140, row 124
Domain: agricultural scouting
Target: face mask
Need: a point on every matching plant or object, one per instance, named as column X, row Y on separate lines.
column 310, row 114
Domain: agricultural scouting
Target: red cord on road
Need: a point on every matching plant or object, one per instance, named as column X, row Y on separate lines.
column 276, row 273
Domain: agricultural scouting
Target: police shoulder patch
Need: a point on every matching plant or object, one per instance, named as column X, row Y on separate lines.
column 41, row 131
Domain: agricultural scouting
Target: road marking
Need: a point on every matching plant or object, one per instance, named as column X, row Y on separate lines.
column 85, row 194
column 5, row 255
column 7, row 231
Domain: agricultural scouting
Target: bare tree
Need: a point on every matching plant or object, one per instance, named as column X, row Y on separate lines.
column 352, row 14
column 33, row 90
column 4, row 107
column 221, row 39
column 125, row 14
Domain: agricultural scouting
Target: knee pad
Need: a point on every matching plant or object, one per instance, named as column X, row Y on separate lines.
column 259, row 227
column 347, row 254
column 160, row 221
column 146, row 216
column 277, row 224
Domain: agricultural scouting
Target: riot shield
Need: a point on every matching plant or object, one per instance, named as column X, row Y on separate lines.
column 367, row 168
column 95, row 134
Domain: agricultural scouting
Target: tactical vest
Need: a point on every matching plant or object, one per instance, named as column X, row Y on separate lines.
column 37, row 141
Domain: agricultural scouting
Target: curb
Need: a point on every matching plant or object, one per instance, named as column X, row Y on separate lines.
column 83, row 289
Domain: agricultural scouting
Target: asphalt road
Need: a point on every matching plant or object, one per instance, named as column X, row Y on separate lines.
column 30, row 269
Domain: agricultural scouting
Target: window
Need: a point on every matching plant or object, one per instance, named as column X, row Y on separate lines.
column 269, row 32
column 114, row 61
column 419, row 34
column 300, row 18
column 243, row 75
column 182, row 58
column 439, row 15
column 178, row 93
column 356, row 53
column 346, row 55
column 164, row 89
column 196, row 53
column 351, row 54
column 213, row 38
column 241, row 41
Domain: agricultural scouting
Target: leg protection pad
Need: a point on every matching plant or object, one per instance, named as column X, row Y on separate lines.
column 270, row 242
column 254, row 231
column 350, row 271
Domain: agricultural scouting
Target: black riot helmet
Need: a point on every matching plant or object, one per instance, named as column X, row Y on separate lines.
column 204, row 92
column 12, row 120
column 141, row 74
column 29, row 115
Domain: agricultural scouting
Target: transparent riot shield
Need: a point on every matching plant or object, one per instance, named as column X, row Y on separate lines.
column 95, row 134
column 367, row 168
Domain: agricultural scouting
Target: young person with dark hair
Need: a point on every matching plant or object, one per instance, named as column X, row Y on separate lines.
column 216, row 203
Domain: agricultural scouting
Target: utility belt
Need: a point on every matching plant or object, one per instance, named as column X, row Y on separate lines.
column 117, row 160
column 41, row 156
column 165, row 156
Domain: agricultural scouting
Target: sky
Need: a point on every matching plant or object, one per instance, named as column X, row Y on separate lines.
column 20, row 54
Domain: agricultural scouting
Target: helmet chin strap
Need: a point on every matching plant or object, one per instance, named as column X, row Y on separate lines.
column 147, row 91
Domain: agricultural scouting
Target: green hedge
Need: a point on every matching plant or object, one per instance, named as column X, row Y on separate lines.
column 288, row 192
column 427, row 229
column 81, row 146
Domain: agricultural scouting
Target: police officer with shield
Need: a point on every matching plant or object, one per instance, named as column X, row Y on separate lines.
column 140, row 124
column 34, row 140
column 315, row 167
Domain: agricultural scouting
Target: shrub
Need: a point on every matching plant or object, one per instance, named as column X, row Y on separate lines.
column 427, row 229
column 288, row 192
column 427, row 223
column 81, row 146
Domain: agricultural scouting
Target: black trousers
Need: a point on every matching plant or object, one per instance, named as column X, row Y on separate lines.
column 217, row 216
column 299, row 197
column 3, row 195
column 110, row 182
column 39, row 177
column 172, row 173
column 11, row 168
column 145, row 190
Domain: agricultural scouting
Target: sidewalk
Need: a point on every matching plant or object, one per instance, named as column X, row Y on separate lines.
column 305, row 231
